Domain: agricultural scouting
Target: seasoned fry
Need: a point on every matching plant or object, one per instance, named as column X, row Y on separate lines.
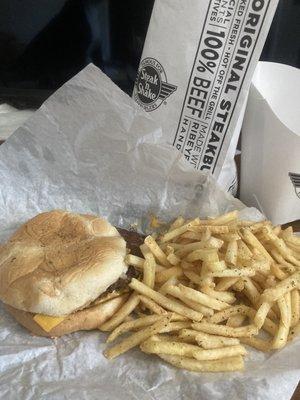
column 295, row 307
column 168, row 273
column 205, row 268
column 250, row 238
column 232, row 252
column 251, row 291
column 229, row 312
column 178, row 231
column 202, row 298
column 132, row 325
column 149, row 271
column 176, row 326
column 233, row 272
column 227, row 297
column 157, row 251
column 176, row 224
column 210, row 255
column 288, row 284
column 190, row 350
column 121, row 314
column 257, row 343
column 164, row 301
column 281, row 336
column 135, row 261
column 225, row 365
column 223, row 330
column 173, row 259
column 226, row 283
column 193, row 277
column 151, row 305
column 236, row 320
column 136, row 338
column 225, row 218
column 176, row 292
column 212, row 341
column 213, row 229
column 261, row 314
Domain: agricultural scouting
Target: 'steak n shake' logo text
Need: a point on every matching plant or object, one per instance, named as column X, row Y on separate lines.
column 151, row 86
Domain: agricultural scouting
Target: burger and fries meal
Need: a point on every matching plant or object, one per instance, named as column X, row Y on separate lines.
column 194, row 294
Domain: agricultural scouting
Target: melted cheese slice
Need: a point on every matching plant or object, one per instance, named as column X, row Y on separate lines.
column 47, row 322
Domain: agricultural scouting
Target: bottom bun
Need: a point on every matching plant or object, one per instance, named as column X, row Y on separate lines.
column 84, row 320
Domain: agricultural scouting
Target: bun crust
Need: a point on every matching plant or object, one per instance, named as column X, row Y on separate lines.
column 84, row 320
column 59, row 262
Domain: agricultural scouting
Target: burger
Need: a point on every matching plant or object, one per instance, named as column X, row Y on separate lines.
column 63, row 272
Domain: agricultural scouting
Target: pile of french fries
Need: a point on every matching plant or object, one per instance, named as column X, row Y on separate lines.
column 208, row 288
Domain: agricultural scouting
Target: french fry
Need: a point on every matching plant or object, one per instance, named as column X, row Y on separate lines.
column 233, row 272
column 176, row 326
column 121, row 314
column 213, row 229
column 281, row 261
column 212, row 341
column 251, row 291
column 225, row 365
column 239, row 285
column 227, row 297
column 163, row 276
column 190, row 350
column 295, row 307
column 188, row 335
column 250, row 238
column 227, row 237
column 157, row 251
column 295, row 331
column 261, row 314
column 176, row 292
column 151, row 305
column 243, row 250
column 202, row 298
column 225, row 218
column 176, row 224
column 281, row 336
column 229, row 312
column 171, row 281
column 193, row 277
column 136, row 338
column 226, row 283
column 223, row 330
column 173, row 259
column 135, row 261
column 257, row 343
column 232, row 252
column 288, row 284
column 203, row 255
column 215, row 266
column 164, row 301
column 149, row 271
column 167, row 237
column 132, row 325
column 236, row 320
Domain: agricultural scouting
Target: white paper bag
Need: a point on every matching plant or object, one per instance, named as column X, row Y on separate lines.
column 195, row 72
column 270, row 172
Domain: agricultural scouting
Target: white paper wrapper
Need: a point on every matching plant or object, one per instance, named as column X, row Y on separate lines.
column 270, row 172
column 91, row 148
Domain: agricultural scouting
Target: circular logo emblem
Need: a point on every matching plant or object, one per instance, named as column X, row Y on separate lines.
column 151, row 86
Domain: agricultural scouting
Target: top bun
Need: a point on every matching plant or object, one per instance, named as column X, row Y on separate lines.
column 59, row 262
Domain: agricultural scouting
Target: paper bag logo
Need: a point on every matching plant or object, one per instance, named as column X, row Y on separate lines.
column 151, row 86
column 295, row 178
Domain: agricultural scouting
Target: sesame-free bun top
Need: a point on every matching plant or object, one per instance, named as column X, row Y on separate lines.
column 58, row 262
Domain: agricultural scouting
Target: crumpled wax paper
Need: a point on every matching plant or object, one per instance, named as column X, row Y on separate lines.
column 90, row 148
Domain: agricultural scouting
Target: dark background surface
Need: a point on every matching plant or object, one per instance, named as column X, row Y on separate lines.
column 44, row 43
